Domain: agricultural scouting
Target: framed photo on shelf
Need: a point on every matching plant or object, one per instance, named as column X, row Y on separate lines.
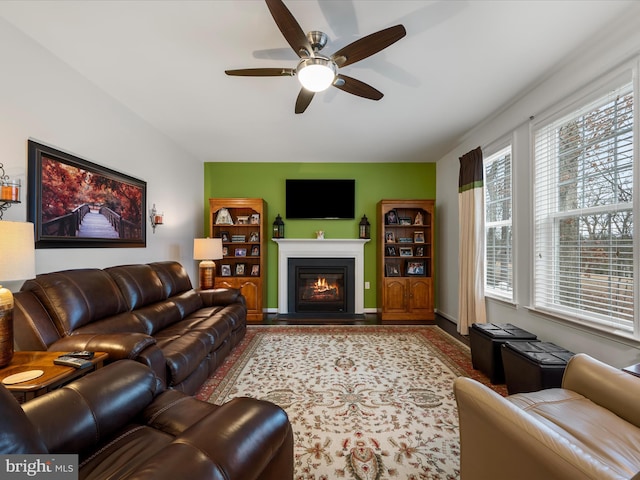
column 391, row 218
column 418, row 237
column 243, row 219
column 255, row 251
column 254, row 219
column 225, row 236
column 240, row 252
column 416, row 268
column 391, row 251
column 254, row 237
column 241, row 269
column 390, row 237
column 225, row 270
column 255, row 270
column 406, row 252
column 420, row 251
column 225, row 251
column 392, row 269
column 405, row 220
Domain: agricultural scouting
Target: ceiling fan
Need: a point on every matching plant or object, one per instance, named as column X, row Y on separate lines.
column 317, row 72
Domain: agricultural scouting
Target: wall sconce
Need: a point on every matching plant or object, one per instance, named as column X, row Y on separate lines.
column 207, row 250
column 9, row 191
column 157, row 218
column 17, row 262
column 278, row 227
column 365, row 227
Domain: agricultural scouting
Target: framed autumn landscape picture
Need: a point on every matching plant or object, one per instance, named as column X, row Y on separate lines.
column 75, row 203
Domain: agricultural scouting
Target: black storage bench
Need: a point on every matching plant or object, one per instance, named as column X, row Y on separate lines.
column 533, row 366
column 486, row 340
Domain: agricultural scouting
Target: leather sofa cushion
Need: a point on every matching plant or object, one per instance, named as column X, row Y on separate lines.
column 174, row 277
column 75, row 298
column 17, row 433
column 217, row 328
column 594, row 429
column 95, row 408
column 139, row 284
column 187, row 302
column 158, row 316
column 183, row 351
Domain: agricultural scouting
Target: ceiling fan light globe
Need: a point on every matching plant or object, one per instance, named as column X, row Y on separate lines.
column 316, row 74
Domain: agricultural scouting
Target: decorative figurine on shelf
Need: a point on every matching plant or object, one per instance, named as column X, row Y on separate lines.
column 224, row 217
column 365, row 228
column 278, row 227
column 419, row 220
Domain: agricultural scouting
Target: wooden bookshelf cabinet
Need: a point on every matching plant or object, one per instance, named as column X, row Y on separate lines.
column 405, row 259
column 244, row 247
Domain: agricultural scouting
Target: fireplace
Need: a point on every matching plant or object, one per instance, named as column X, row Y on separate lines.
column 323, row 250
column 321, row 285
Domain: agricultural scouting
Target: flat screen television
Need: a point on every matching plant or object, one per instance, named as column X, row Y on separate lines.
column 313, row 198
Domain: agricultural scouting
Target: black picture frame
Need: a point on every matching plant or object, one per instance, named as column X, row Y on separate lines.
column 391, row 217
column 64, row 189
column 416, row 268
column 224, row 235
column 225, row 270
column 392, row 269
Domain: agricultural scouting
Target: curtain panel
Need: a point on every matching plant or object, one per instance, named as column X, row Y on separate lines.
column 471, row 305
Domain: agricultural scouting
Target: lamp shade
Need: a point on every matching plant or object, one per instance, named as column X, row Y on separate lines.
column 207, row 248
column 17, row 254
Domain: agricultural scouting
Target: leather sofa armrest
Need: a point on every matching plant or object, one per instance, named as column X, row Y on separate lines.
column 243, row 438
column 498, row 440
column 607, row 386
column 79, row 415
column 119, row 346
column 221, row 296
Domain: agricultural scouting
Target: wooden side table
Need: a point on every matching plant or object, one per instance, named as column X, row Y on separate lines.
column 54, row 376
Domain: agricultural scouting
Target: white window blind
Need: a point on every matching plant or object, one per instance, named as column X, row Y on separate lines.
column 498, row 228
column 584, row 266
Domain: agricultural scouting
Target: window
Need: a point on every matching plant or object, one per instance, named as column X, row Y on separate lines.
column 584, row 175
column 498, row 229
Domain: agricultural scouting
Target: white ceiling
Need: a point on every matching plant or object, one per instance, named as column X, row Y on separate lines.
column 460, row 62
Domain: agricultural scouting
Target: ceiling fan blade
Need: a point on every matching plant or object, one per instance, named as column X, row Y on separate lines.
column 367, row 46
column 290, row 28
column 262, row 72
column 304, row 99
column 356, row 87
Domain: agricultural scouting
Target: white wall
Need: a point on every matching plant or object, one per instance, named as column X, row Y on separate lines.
column 43, row 99
column 612, row 47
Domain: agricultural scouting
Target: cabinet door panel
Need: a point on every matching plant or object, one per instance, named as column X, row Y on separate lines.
column 420, row 296
column 395, row 295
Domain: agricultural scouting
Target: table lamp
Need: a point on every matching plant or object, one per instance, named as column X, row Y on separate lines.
column 17, row 262
column 207, row 250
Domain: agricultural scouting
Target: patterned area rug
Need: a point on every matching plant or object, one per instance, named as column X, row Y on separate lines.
column 365, row 402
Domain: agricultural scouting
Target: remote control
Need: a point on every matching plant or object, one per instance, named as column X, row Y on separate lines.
column 72, row 362
column 80, row 354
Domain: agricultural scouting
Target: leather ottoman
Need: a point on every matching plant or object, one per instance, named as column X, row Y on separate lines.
column 486, row 340
column 533, row 366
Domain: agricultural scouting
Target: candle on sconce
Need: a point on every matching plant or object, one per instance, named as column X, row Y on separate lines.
column 10, row 190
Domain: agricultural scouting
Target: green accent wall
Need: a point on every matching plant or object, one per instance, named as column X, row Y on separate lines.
column 374, row 182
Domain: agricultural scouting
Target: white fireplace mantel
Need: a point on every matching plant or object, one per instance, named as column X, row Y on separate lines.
column 314, row 248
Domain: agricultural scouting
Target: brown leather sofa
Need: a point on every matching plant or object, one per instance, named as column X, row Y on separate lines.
column 123, row 427
column 588, row 429
column 146, row 312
